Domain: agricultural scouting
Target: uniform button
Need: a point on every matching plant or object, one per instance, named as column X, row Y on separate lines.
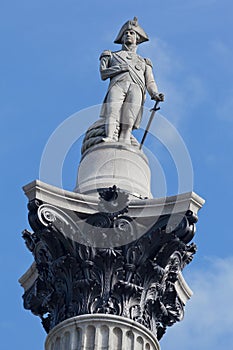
column 129, row 58
column 138, row 67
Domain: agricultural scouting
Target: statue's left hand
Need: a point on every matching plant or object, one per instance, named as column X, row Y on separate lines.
column 157, row 96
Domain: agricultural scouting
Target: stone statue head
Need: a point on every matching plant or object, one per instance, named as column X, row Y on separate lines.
column 132, row 25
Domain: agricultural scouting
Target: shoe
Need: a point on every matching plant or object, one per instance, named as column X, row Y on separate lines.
column 108, row 139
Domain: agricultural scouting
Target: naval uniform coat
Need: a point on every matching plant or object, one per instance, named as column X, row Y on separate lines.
column 112, row 65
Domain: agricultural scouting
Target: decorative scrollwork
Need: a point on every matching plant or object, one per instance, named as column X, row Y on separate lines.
column 46, row 215
column 123, row 225
column 49, row 214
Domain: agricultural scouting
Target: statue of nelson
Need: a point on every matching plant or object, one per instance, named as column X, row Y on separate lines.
column 130, row 77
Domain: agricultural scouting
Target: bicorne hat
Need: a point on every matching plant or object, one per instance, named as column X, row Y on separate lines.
column 134, row 26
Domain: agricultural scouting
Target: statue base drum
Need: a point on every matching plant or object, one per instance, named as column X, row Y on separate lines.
column 115, row 163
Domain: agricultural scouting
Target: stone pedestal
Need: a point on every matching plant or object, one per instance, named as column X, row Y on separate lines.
column 108, row 164
column 100, row 332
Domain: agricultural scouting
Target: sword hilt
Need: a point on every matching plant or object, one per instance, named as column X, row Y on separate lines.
column 155, row 109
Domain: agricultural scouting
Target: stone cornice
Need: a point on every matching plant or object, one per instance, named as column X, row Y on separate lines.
column 89, row 204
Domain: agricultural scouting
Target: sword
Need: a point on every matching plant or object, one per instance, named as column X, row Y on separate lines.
column 153, row 110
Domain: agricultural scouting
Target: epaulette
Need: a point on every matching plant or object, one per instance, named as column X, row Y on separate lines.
column 148, row 61
column 106, row 53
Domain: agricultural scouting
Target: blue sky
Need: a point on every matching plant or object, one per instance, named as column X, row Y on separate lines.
column 49, row 71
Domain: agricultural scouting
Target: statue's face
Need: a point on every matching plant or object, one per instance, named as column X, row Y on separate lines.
column 129, row 37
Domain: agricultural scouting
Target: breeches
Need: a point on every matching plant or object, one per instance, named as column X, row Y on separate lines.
column 124, row 102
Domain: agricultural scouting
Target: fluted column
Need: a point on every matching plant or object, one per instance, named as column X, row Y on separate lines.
column 100, row 332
